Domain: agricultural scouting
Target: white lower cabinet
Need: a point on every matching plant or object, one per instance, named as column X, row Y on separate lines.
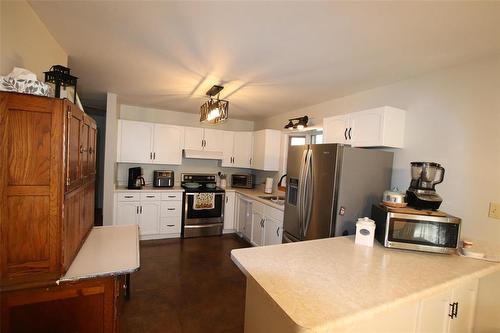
column 244, row 216
column 229, row 215
column 158, row 215
column 273, row 231
column 257, row 224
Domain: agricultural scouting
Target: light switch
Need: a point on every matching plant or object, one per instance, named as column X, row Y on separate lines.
column 494, row 210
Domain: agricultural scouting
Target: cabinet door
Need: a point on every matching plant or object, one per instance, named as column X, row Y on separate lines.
column 73, row 225
column 88, row 208
column 243, row 149
column 127, row 212
column 84, row 148
column 266, row 150
column 229, row 211
column 167, row 144
column 335, row 129
column 433, row 313
column 257, row 228
column 149, row 218
column 366, row 128
column 193, row 138
column 92, row 146
column 273, row 231
column 214, row 140
column 74, row 121
column 465, row 295
column 228, row 149
column 244, row 217
column 135, row 141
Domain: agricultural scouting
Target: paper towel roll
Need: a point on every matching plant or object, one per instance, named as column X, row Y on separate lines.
column 269, row 185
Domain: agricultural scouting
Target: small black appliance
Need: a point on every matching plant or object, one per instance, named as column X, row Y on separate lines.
column 135, row 178
column 422, row 192
column 163, row 178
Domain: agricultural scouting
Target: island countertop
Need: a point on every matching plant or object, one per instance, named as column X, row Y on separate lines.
column 324, row 283
column 108, row 250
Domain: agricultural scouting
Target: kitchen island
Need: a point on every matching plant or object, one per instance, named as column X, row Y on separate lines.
column 333, row 285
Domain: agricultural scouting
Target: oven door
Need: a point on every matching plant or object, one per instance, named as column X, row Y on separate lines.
column 204, row 216
column 424, row 235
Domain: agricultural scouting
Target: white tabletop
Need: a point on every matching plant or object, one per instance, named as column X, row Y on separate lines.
column 108, row 250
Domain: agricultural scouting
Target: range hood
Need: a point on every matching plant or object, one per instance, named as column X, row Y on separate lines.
column 203, row 154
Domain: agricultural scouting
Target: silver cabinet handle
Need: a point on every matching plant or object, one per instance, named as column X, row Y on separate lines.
column 278, row 231
column 150, row 196
column 170, row 225
column 141, row 209
column 226, row 199
column 137, row 210
column 171, row 196
column 349, row 133
column 154, row 155
column 345, row 133
column 150, row 156
column 250, row 161
column 128, row 196
column 170, row 208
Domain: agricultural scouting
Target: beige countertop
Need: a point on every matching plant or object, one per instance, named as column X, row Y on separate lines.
column 324, row 283
column 108, row 250
column 149, row 188
column 254, row 194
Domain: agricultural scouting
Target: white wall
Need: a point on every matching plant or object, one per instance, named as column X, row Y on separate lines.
column 453, row 117
column 25, row 41
column 112, row 113
column 130, row 112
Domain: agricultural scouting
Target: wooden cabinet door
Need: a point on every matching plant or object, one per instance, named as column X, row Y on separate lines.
column 193, row 138
column 214, row 140
column 335, row 129
column 89, row 208
column 73, row 225
column 92, row 147
column 167, row 144
column 135, row 142
column 228, row 149
column 84, row 148
column 366, row 128
column 149, row 218
column 74, row 121
column 243, row 148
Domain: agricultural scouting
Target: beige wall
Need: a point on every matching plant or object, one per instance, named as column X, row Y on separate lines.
column 180, row 118
column 25, row 41
column 453, row 117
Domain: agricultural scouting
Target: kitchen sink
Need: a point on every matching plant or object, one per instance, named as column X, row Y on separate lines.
column 277, row 199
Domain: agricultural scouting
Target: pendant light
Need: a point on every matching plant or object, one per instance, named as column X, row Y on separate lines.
column 297, row 123
column 216, row 110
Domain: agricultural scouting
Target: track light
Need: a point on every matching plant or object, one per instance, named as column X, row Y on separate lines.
column 297, row 123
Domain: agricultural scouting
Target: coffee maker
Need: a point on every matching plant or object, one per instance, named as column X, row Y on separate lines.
column 424, row 177
column 135, row 178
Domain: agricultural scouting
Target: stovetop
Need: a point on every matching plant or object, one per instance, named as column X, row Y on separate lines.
column 203, row 189
column 202, row 179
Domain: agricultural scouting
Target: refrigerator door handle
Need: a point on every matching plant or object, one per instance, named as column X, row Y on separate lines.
column 301, row 194
column 310, row 191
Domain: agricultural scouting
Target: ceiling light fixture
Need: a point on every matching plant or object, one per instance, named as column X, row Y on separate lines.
column 214, row 111
column 297, row 123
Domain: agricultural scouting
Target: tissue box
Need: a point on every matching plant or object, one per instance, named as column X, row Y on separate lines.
column 32, row 87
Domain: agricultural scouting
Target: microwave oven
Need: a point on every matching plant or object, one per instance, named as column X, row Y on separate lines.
column 242, row 180
column 411, row 230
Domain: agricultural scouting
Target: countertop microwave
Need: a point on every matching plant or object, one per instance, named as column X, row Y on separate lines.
column 243, row 180
column 421, row 231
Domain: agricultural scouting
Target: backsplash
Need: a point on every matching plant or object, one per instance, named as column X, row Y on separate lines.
column 189, row 165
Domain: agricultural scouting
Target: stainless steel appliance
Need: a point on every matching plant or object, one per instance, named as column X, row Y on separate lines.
column 406, row 229
column 163, row 178
column 207, row 221
column 422, row 192
column 243, row 180
column 135, row 178
column 329, row 187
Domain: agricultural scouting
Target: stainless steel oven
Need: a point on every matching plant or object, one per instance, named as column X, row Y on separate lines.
column 416, row 231
column 207, row 221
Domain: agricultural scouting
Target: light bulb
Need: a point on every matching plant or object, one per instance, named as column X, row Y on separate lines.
column 213, row 114
column 300, row 127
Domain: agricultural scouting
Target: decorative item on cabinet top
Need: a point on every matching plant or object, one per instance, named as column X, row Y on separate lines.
column 59, row 77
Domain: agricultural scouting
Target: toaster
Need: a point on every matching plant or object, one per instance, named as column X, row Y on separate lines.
column 163, row 178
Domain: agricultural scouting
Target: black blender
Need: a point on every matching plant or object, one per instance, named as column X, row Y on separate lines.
column 422, row 193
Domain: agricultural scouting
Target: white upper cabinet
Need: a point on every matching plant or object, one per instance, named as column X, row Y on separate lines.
column 228, row 148
column 142, row 142
column 214, row 140
column 193, row 138
column 135, row 141
column 168, row 143
column 266, row 150
column 243, row 149
column 379, row 127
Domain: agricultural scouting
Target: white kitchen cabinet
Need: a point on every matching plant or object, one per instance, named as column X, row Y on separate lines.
column 273, row 231
column 193, row 138
column 149, row 218
column 229, row 207
column 378, row 127
column 127, row 212
column 168, row 144
column 257, row 224
column 335, row 129
column 237, row 149
column 214, row 140
column 244, row 216
column 266, row 150
column 135, row 141
column 436, row 311
column 142, row 142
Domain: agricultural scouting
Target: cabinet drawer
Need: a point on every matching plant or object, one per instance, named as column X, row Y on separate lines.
column 170, row 225
column 171, row 208
column 129, row 196
column 172, row 196
column 150, row 196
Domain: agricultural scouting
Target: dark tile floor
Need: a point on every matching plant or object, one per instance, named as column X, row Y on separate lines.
column 186, row 285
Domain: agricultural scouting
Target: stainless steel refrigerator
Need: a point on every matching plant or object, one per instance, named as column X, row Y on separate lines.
column 329, row 186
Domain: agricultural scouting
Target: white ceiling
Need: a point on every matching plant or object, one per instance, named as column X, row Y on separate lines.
column 272, row 56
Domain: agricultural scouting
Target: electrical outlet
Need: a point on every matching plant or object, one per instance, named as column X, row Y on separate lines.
column 494, row 210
